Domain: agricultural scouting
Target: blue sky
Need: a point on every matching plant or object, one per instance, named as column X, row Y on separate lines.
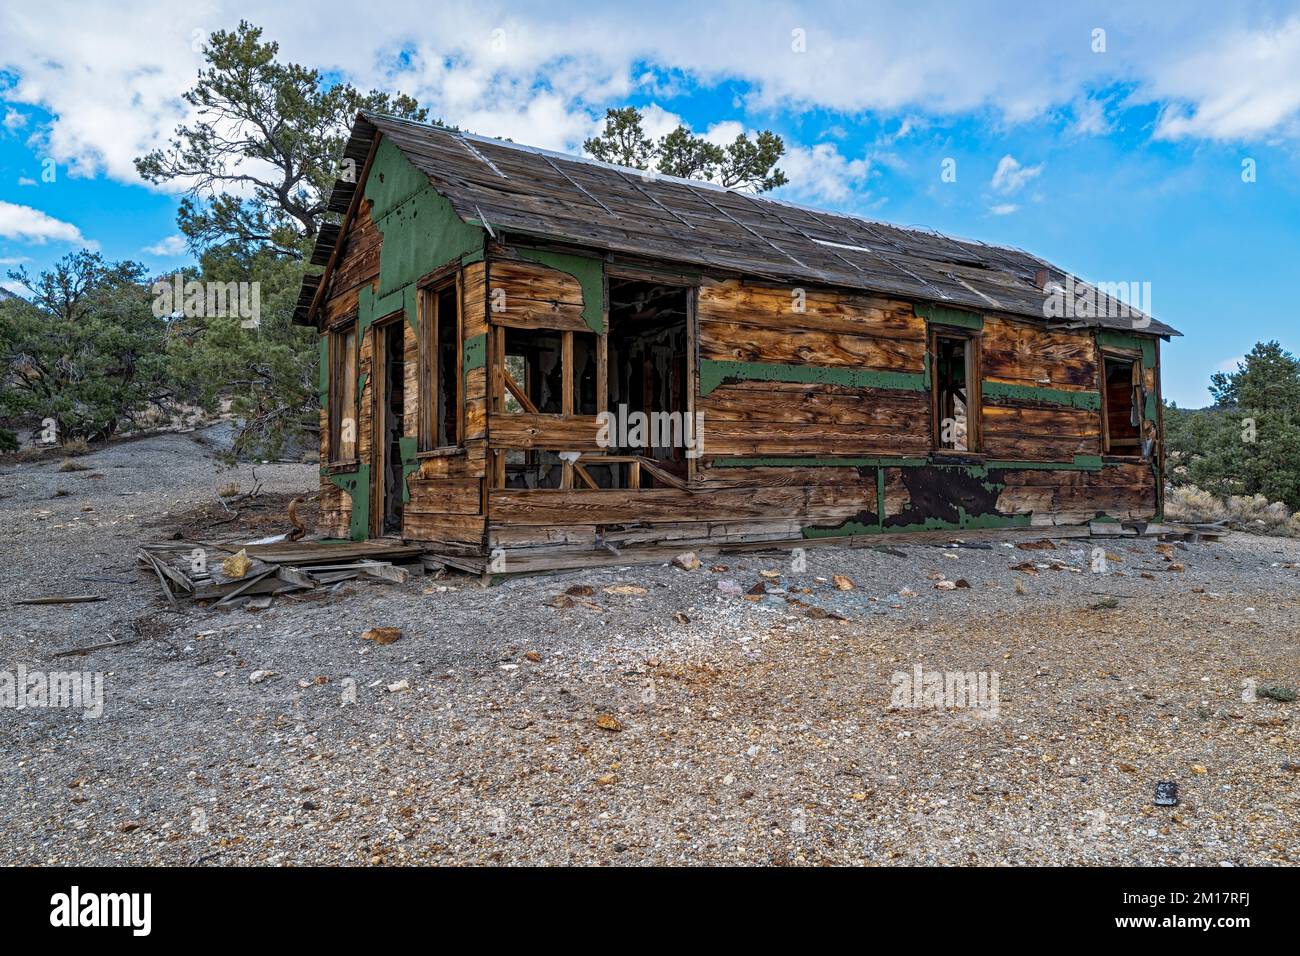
column 1123, row 163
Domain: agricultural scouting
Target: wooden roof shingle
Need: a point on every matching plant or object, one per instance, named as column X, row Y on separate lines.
column 582, row 202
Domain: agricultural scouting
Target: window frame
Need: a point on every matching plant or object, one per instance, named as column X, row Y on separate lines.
column 1134, row 358
column 974, row 388
column 429, row 322
column 339, row 359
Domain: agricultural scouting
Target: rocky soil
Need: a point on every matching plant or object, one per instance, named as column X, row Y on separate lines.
column 644, row 715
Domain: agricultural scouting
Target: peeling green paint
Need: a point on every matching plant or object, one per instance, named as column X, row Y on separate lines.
column 421, row 231
column 714, row 373
column 977, row 469
column 357, row 486
column 1090, row 400
column 1079, row 463
column 795, row 462
column 942, row 315
column 968, row 522
column 965, row 522
column 844, row 530
column 474, row 354
column 1125, row 340
column 880, row 498
column 410, row 464
column 590, row 274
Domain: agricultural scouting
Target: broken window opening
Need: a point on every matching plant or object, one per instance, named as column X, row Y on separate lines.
column 531, row 469
column 343, row 394
column 439, row 418
column 1122, row 395
column 534, row 376
column 648, row 373
column 955, row 384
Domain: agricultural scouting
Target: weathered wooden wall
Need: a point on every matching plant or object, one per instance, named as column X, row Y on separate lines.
column 816, row 420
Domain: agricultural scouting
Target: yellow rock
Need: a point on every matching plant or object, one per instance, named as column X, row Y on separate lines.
column 237, row 565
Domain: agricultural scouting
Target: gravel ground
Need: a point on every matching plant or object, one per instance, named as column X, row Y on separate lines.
column 653, row 715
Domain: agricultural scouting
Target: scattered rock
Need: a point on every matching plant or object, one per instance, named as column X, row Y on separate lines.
column 608, row 722
column 842, row 583
column 1043, row 544
column 382, row 635
column 258, row 677
column 687, row 562
column 237, row 565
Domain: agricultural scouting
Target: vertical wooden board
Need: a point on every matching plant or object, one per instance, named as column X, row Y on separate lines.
column 410, row 381
column 474, row 299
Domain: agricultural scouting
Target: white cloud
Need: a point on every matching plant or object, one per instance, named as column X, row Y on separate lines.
column 112, row 75
column 26, row 181
column 1003, row 209
column 13, row 120
column 171, row 246
column 1242, row 86
column 821, row 173
column 1010, row 177
column 27, row 224
column 1090, row 118
column 656, row 122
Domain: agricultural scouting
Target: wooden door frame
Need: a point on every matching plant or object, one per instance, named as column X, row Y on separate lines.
column 378, row 412
column 974, row 387
column 1121, row 355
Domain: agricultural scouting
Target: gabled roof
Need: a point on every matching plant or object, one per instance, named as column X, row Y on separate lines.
column 537, row 193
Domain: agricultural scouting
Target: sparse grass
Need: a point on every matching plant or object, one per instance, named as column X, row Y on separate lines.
column 62, row 493
column 1253, row 513
column 76, row 446
column 228, row 490
column 1284, row 695
column 69, row 464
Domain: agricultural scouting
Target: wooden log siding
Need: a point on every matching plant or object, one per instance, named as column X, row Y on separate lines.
column 796, row 327
column 844, row 448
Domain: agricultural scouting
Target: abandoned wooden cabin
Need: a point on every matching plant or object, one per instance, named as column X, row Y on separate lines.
column 526, row 354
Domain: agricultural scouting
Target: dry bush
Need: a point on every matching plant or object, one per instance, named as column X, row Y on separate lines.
column 1254, row 513
column 76, row 446
column 69, row 464
column 1194, row 505
column 228, row 490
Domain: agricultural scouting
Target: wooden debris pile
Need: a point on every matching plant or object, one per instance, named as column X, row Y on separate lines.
column 207, row 571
